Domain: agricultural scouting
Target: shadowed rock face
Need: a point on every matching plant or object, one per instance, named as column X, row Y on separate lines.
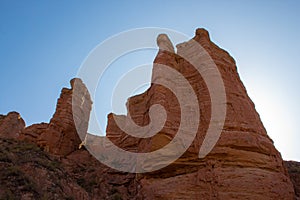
column 11, row 125
column 26, row 172
column 293, row 168
column 244, row 164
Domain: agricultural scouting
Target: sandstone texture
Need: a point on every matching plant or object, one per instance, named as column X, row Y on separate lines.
column 293, row 168
column 61, row 137
column 243, row 165
column 11, row 125
column 43, row 161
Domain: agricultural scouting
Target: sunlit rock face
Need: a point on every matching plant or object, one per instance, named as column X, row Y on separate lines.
column 244, row 164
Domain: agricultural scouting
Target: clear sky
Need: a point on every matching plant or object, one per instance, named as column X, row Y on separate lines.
column 43, row 43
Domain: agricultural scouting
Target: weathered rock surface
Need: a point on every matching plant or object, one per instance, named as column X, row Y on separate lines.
column 33, row 132
column 293, row 168
column 244, row 164
column 26, row 172
column 61, row 136
column 11, row 125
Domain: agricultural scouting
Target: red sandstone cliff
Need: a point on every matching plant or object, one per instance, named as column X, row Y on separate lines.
column 244, row 164
column 60, row 136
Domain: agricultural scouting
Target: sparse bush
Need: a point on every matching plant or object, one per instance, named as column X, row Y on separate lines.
column 88, row 185
column 115, row 195
column 48, row 164
column 13, row 171
column 8, row 195
column 4, row 157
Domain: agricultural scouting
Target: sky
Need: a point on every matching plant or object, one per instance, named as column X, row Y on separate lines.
column 44, row 43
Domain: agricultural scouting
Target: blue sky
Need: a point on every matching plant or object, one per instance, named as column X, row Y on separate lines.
column 43, row 43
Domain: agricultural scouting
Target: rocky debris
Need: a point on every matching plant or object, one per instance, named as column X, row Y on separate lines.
column 293, row 168
column 11, row 125
column 100, row 181
column 244, row 154
column 26, row 172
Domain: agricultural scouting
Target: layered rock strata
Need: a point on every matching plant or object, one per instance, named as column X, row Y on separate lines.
column 244, row 164
column 61, row 136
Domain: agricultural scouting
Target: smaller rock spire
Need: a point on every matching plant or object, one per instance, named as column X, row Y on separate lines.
column 164, row 43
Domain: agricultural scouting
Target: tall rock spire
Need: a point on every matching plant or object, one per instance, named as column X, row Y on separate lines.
column 244, row 164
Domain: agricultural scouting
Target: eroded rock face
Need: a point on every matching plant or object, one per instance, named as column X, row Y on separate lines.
column 11, row 125
column 293, row 168
column 61, row 136
column 244, row 164
column 164, row 43
column 33, row 132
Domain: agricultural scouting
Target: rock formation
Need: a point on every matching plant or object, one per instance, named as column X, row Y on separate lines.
column 60, row 136
column 293, row 168
column 244, row 154
column 244, row 164
column 11, row 124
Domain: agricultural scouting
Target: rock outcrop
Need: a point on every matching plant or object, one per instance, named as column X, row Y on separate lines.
column 11, row 125
column 61, row 136
column 244, row 164
column 293, row 168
